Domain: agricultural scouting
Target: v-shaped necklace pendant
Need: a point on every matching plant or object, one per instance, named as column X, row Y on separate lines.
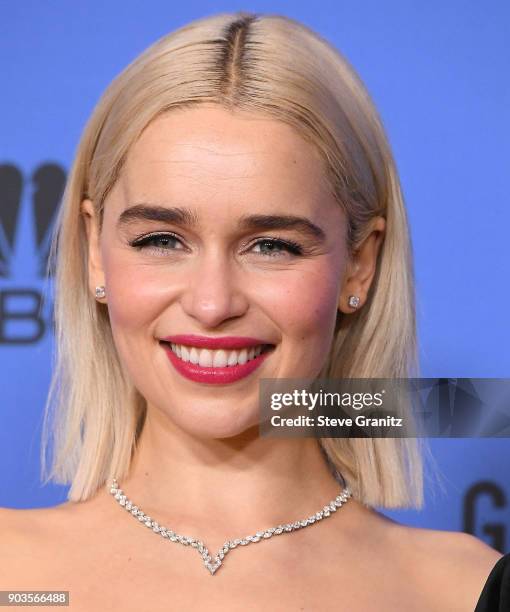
column 213, row 565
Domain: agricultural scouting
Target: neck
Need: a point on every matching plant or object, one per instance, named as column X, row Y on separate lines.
column 235, row 485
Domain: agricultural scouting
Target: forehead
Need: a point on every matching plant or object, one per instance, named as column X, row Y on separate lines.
column 208, row 156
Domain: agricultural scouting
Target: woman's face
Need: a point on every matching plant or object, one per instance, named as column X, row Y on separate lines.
column 252, row 246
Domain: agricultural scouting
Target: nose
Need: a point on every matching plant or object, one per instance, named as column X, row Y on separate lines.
column 214, row 293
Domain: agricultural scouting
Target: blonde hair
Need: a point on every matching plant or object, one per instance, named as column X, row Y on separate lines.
column 276, row 66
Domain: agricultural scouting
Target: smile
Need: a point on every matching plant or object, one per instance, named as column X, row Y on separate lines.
column 215, row 365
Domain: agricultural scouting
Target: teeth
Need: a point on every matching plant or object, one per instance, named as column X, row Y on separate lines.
column 206, row 358
column 232, row 358
column 218, row 358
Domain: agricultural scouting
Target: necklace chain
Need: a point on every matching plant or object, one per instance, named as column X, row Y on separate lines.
column 213, row 564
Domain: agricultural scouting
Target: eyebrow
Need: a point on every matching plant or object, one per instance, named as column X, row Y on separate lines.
column 187, row 218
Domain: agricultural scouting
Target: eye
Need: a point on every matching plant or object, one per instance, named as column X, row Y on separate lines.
column 275, row 246
column 160, row 243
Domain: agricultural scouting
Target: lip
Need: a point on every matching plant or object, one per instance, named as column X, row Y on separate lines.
column 213, row 375
column 224, row 342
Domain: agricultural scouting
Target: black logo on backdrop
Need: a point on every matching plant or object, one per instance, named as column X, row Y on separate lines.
column 20, row 303
column 496, row 498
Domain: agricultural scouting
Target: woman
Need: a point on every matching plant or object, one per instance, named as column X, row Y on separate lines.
column 233, row 213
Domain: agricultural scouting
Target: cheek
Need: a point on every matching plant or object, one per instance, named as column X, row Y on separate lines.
column 136, row 297
column 305, row 304
column 134, row 293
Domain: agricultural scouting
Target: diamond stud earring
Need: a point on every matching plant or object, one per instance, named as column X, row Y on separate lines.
column 100, row 291
column 354, row 301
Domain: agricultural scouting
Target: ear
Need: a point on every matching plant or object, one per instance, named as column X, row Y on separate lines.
column 95, row 266
column 361, row 269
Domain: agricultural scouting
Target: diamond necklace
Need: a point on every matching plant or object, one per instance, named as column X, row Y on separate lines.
column 211, row 565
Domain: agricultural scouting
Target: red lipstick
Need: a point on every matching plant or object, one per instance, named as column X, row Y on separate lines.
column 223, row 342
column 211, row 374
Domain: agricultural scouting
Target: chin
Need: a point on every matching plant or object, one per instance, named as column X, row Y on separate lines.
column 208, row 421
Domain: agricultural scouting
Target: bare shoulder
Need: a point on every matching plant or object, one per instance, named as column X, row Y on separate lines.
column 29, row 524
column 19, row 545
column 33, row 541
column 26, row 524
column 20, row 524
column 454, row 564
column 459, row 550
column 435, row 569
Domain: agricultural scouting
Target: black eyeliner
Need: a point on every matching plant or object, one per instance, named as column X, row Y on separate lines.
column 293, row 247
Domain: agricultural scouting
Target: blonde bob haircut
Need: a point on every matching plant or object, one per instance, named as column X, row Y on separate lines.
column 275, row 66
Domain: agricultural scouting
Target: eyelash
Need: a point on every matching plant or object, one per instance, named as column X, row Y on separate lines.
column 143, row 242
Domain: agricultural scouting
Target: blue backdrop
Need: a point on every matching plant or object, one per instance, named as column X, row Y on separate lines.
column 438, row 73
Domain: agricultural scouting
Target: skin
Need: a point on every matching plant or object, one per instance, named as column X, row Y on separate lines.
column 201, row 467
column 222, row 166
